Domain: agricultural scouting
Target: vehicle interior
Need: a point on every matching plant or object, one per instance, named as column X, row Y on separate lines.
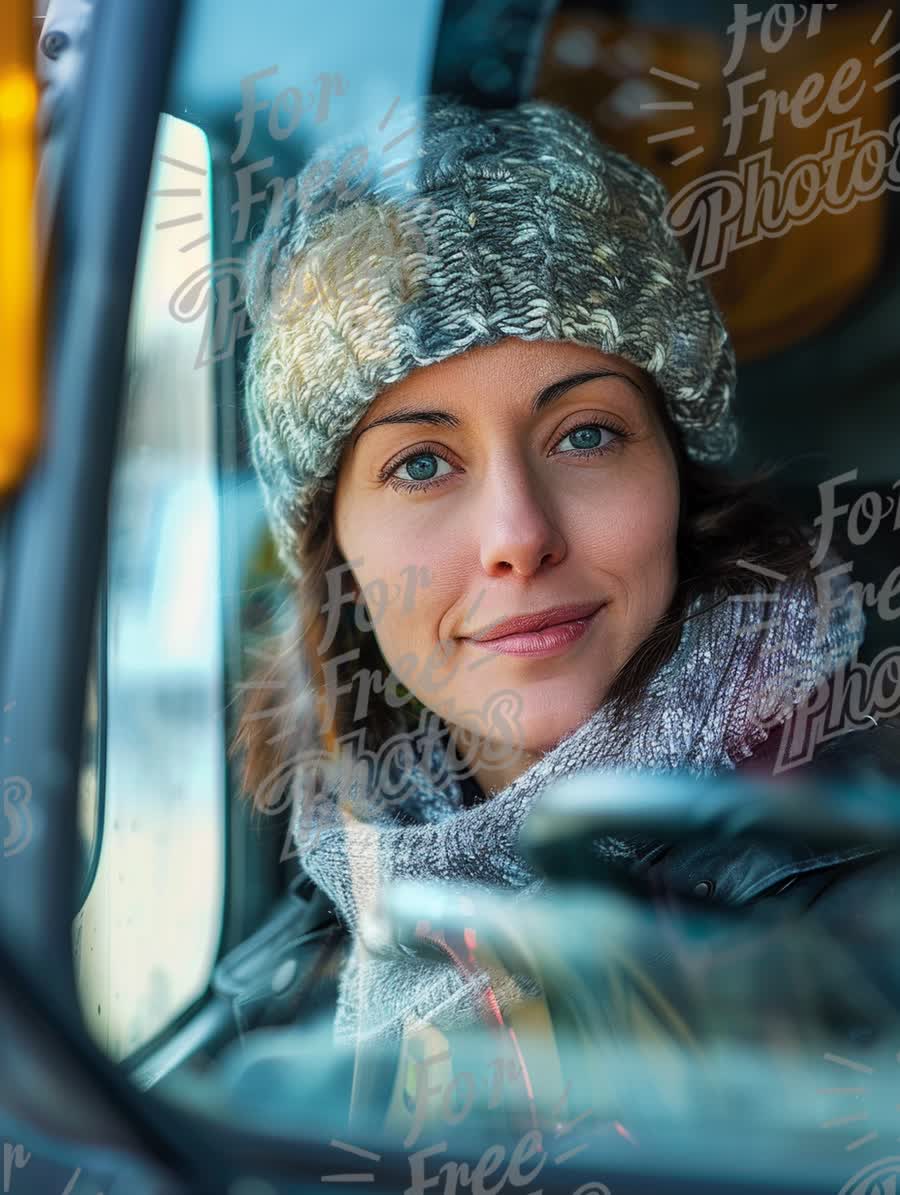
column 169, row 972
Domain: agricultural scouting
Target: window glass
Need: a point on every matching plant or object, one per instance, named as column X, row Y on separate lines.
column 148, row 933
column 657, row 1027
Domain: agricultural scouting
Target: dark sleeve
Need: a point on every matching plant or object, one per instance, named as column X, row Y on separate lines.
column 815, row 962
column 818, row 960
column 869, row 752
column 855, row 916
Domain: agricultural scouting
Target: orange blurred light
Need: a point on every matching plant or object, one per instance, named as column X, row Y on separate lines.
column 19, row 398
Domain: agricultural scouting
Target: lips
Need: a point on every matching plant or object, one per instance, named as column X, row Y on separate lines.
column 523, row 624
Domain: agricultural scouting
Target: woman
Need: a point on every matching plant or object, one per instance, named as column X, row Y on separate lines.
column 490, row 407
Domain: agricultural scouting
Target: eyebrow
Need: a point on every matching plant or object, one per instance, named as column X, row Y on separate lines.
column 543, row 399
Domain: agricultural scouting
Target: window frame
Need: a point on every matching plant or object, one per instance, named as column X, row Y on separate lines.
column 100, row 662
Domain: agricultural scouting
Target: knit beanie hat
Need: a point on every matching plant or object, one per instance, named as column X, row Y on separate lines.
column 508, row 222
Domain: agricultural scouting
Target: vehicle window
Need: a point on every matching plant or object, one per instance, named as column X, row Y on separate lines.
column 146, row 937
column 640, row 1004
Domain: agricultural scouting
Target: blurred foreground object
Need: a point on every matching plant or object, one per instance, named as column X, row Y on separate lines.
column 646, row 999
column 559, row 832
column 791, row 946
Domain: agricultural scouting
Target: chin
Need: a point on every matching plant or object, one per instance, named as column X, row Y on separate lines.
column 543, row 730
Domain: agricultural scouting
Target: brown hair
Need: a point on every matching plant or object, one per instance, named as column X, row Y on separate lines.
column 724, row 525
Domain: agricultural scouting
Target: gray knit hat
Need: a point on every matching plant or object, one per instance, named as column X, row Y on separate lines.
column 511, row 222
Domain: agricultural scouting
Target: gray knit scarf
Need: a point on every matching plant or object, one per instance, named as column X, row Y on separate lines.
column 741, row 666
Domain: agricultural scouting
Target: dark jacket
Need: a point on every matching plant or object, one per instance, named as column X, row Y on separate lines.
column 818, row 928
column 730, row 874
column 801, row 932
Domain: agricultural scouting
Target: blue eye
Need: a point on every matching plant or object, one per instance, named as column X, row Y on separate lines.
column 423, row 465
column 422, row 468
column 586, row 439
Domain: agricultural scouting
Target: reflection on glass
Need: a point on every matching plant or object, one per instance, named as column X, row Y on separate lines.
column 147, row 936
column 88, row 782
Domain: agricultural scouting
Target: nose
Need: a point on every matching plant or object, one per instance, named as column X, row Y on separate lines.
column 519, row 532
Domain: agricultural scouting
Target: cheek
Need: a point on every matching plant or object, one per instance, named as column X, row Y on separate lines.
column 632, row 527
column 406, row 583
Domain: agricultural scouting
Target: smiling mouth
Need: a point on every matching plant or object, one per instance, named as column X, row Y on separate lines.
column 548, row 641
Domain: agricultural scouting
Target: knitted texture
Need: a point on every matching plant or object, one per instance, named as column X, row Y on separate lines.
column 512, row 222
column 742, row 665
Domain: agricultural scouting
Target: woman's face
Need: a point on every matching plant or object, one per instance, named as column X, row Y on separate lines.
column 501, row 482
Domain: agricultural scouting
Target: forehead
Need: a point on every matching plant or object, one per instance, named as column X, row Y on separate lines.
column 513, row 364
